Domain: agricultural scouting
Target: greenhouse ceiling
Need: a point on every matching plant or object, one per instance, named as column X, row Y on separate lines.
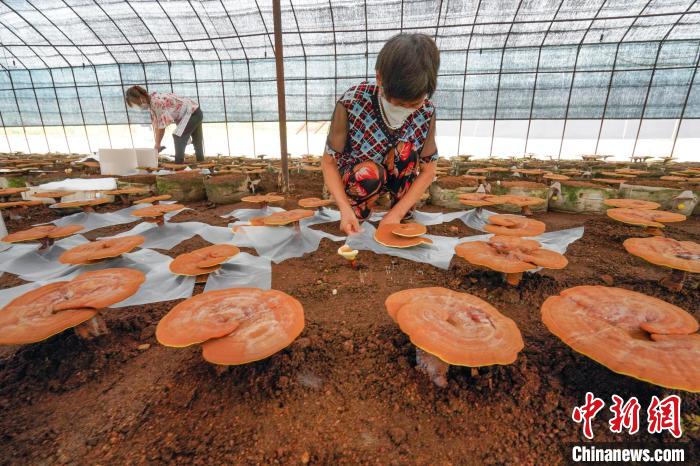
column 68, row 62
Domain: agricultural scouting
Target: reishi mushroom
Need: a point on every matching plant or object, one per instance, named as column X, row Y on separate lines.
column 235, row 325
column 56, row 196
column 14, row 207
column 53, row 308
column 87, row 205
column 524, row 202
column 629, row 333
column 45, row 234
column 652, row 220
column 286, row 217
column 680, row 256
column 314, row 203
column 263, row 199
column 452, row 328
column 514, row 225
column 510, row 255
column 387, row 235
column 156, row 213
column 98, row 250
column 201, row 262
column 153, row 199
column 124, row 193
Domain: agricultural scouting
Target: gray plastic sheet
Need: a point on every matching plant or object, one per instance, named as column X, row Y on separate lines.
column 247, row 214
column 322, row 215
column 242, row 271
column 32, row 264
column 169, row 235
column 473, row 218
column 281, row 243
column 93, row 220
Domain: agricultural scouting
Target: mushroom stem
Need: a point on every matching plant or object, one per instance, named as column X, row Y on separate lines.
column 655, row 231
column 46, row 243
column 353, row 263
column 433, row 367
column 92, row 328
column 514, row 278
column 525, row 210
column 674, row 281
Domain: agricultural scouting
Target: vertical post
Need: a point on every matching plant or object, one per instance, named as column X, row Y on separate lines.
column 281, row 106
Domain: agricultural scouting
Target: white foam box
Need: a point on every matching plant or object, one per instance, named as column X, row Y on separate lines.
column 118, row 161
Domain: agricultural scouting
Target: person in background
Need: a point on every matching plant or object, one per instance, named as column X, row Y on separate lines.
column 169, row 108
column 382, row 136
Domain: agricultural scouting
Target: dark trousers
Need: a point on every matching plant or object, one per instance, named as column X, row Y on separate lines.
column 194, row 129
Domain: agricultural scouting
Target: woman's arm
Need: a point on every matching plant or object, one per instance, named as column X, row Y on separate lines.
column 337, row 136
column 158, row 135
column 419, row 185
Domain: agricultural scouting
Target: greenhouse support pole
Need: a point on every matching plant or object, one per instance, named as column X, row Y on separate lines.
column 281, row 106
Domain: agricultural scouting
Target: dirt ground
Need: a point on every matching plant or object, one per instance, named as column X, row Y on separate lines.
column 346, row 391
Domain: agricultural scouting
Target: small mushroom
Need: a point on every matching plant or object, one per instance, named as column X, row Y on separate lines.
column 349, row 254
column 94, row 251
column 53, row 308
column 387, row 235
column 87, row 205
column 514, row 225
column 45, row 234
column 56, row 196
column 124, row 193
column 629, row 333
column 652, row 220
column 681, row 256
column 510, row 255
column 453, row 328
column 153, row 199
column 156, row 213
column 235, row 325
column 201, row 262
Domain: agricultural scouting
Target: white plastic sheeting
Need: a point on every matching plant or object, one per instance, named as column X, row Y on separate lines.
column 93, row 220
column 322, row 215
column 31, row 264
column 81, row 184
column 169, row 235
column 241, row 271
column 281, row 243
column 247, row 214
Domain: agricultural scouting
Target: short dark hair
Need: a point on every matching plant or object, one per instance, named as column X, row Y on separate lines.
column 133, row 95
column 408, row 66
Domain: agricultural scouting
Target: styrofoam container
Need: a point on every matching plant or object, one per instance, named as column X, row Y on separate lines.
column 146, row 157
column 118, row 161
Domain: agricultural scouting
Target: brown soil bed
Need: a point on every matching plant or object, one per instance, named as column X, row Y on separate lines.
column 581, row 184
column 522, row 184
column 346, row 391
column 664, row 184
column 451, row 182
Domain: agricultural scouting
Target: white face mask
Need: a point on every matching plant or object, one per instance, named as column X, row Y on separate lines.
column 145, row 107
column 394, row 115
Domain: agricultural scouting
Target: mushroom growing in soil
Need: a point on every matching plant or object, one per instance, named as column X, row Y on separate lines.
column 263, row 199
column 56, row 196
column 652, row 220
column 629, row 333
column 286, row 217
column 201, row 262
column 514, row 225
column 87, row 205
column 477, row 200
column 53, row 308
column 153, row 199
column 14, row 207
column 524, row 202
column 156, row 213
column 348, row 254
column 451, row 328
column 124, row 193
column 315, row 203
column 680, row 256
column 96, row 251
column 401, row 235
column 45, row 234
column 510, row 255
column 235, row 326
column 631, row 204
column 7, row 193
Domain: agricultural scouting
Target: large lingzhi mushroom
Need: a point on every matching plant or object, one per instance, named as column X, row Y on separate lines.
column 263, row 199
column 514, row 225
column 680, row 256
column 124, row 193
column 652, row 220
column 45, row 234
column 524, row 202
column 95, row 251
column 510, row 255
column 153, row 199
column 156, row 213
column 314, row 203
column 201, row 262
column 394, row 235
column 7, row 193
column 286, row 217
column 56, row 196
column 86, row 205
column 451, row 328
column 629, row 333
column 632, row 204
column 235, row 325
column 14, row 207
column 53, row 308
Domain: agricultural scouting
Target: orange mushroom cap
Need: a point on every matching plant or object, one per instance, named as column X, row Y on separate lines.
column 314, row 202
column 520, row 201
column 286, row 217
column 50, row 309
column 156, row 210
column 609, row 180
column 204, row 260
column 510, row 254
column 631, row 204
column 102, row 249
column 514, row 225
column 477, row 199
column 148, row 200
column 53, row 194
column 648, row 218
column 263, row 199
column 83, row 203
column 619, row 173
column 629, row 333
column 385, row 236
column 11, row 204
column 555, row 177
column 458, row 328
column 659, row 250
column 673, row 178
column 236, row 325
column 409, row 230
column 133, row 190
column 11, row 191
column 42, row 231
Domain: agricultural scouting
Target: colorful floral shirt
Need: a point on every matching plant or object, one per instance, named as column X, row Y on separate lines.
column 368, row 136
column 169, row 108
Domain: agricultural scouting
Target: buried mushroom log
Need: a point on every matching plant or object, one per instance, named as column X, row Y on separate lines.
column 514, row 225
column 629, row 333
column 46, row 311
column 201, row 262
column 510, row 255
column 453, row 329
column 652, row 220
column 45, row 234
column 681, row 256
column 399, row 235
column 98, row 250
column 235, row 326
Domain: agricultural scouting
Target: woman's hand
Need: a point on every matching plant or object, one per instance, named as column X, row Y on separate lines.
column 390, row 218
column 349, row 223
